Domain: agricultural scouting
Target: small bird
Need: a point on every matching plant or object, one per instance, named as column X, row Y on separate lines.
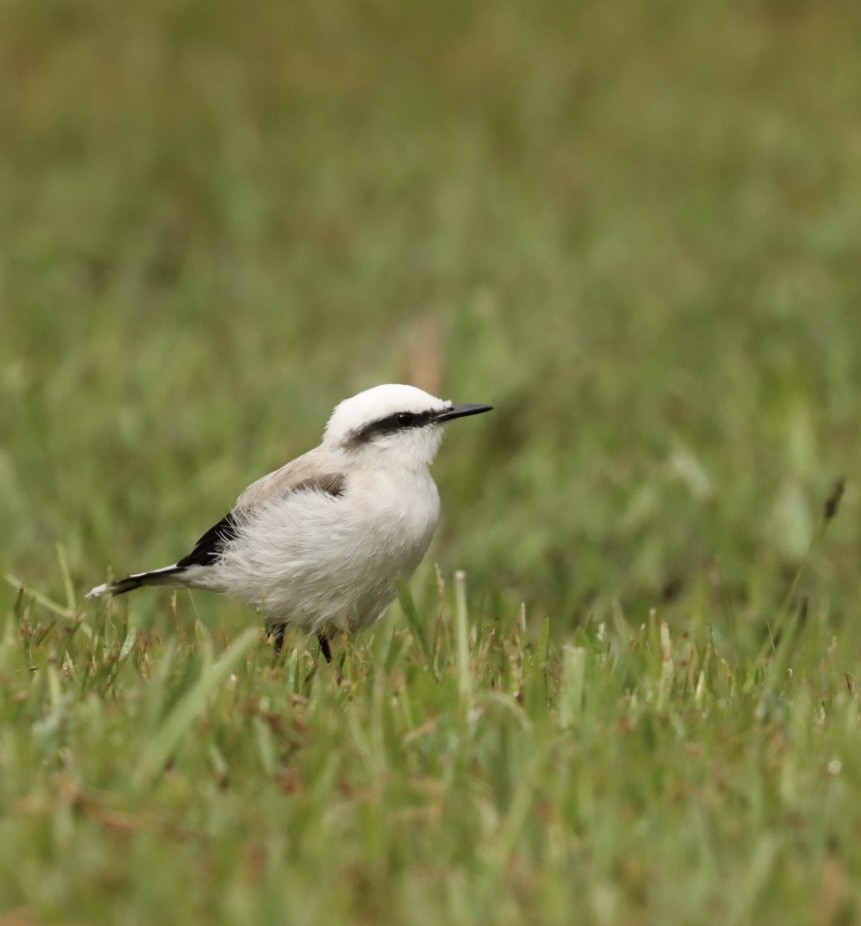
column 322, row 542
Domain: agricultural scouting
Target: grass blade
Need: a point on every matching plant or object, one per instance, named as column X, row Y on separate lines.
column 572, row 684
column 461, row 620
column 191, row 706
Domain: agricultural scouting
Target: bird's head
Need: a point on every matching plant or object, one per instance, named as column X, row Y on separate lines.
column 402, row 423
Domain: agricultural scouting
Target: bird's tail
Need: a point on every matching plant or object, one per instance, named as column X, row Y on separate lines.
column 168, row 575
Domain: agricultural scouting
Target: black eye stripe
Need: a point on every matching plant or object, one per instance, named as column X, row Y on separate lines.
column 398, row 421
column 401, row 421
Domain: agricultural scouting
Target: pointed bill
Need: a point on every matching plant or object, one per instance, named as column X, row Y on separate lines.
column 461, row 411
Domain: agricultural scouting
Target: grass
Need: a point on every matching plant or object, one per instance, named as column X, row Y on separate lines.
column 628, row 694
column 481, row 776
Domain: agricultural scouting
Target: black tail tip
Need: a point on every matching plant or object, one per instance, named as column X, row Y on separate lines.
column 122, row 586
column 128, row 584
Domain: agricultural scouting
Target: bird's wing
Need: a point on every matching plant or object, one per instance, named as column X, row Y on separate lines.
column 312, row 471
column 303, row 473
column 208, row 548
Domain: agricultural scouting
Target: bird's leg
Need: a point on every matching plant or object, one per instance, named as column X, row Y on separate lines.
column 324, row 647
column 277, row 635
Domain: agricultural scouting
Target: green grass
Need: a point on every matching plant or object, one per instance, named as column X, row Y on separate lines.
column 478, row 776
column 631, row 227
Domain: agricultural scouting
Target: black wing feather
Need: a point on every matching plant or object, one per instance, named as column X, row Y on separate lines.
column 211, row 545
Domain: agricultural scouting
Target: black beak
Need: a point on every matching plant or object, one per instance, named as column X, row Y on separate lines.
column 461, row 411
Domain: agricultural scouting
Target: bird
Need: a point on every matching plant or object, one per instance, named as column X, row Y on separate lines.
column 322, row 542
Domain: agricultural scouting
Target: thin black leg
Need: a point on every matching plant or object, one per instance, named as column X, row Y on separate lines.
column 277, row 635
column 324, row 647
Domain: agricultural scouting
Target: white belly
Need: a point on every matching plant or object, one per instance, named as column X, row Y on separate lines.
column 329, row 563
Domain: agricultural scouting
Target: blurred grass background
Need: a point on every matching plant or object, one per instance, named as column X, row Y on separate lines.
column 634, row 228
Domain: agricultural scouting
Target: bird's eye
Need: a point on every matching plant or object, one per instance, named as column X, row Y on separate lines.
column 405, row 419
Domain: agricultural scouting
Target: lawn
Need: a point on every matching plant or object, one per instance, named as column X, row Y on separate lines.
column 622, row 687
